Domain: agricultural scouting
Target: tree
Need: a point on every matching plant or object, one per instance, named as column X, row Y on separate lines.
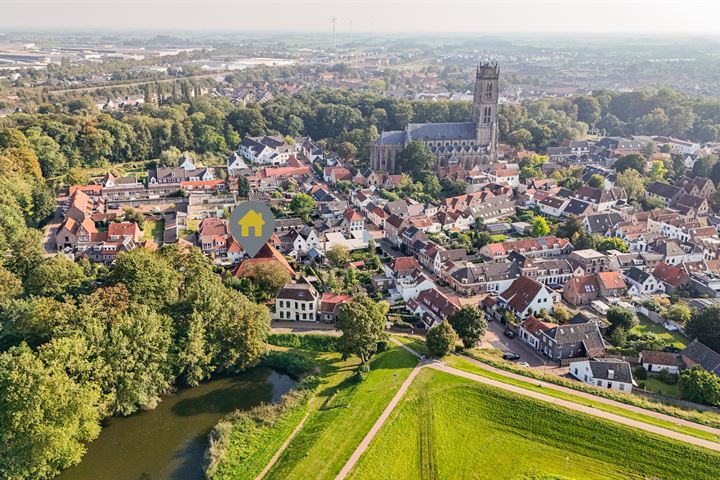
column 698, row 385
column 238, row 331
column 658, row 171
column 10, row 286
column 618, row 337
column 77, row 176
column 632, row 182
column 561, row 314
column 622, row 317
column 302, row 205
column 705, row 326
column 520, row 138
column 54, row 277
column 346, row 150
column 243, row 187
column 441, row 339
column 596, row 180
column 612, row 243
column 703, row 166
column 416, row 157
column 633, row 160
column 651, row 203
column 338, row 255
column 362, row 323
column 469, row 323
column 147, row 276
column 588, row 109
column 531, row 166
column 45, row 417
column 269, row 279
column 540, row 227
column 678, row 313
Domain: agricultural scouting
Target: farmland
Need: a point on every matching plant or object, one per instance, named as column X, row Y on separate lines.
column 447, row 427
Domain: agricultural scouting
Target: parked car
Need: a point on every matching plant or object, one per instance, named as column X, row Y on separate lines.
column 510, row 333
column 510, row 356
column 524, row 364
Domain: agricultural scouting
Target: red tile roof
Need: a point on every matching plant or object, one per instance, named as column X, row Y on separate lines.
column 611, row 280
column 670, row 274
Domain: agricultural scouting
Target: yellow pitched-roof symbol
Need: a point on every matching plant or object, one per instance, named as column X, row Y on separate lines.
column 251, row 220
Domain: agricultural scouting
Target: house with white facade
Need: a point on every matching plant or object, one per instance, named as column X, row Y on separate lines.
column 296, row 302
column 609, row 373
column 527, row 297
column 642, row 283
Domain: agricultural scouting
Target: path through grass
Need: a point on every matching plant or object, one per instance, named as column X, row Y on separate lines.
column 345, row 415
column 482, row 432
column 464, row 364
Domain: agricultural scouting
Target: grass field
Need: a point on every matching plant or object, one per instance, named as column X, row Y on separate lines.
column 703, row 417
column 675, row 339
column 463, row 364
column 343, row 414
column 653, row 384
column 154, row 230
column 447, row 428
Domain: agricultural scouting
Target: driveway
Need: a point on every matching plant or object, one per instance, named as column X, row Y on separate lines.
column 495, row 338
column 51, row 227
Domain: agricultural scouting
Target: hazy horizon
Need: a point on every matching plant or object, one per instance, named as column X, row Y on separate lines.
column 459, row 17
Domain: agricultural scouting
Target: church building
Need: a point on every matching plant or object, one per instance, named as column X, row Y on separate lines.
column 457, row 145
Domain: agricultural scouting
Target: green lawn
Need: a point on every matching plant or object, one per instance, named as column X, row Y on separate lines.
column 675, row 339
column 154, row 230
column 447, row 427
column 653, row 384
column 248, row 454
column 463, row 364
column 415, row 343
column 343, row 416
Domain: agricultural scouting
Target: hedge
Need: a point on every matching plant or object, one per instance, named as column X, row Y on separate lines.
column 306, row 341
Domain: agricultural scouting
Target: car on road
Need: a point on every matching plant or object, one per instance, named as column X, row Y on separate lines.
column 510, row 333
column 510, row 356
column 524, row 364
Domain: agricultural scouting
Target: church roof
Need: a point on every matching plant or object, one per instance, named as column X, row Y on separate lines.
column 393, row 137
column 442, row 131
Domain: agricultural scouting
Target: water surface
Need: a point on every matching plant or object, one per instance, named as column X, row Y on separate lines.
column 168, row 443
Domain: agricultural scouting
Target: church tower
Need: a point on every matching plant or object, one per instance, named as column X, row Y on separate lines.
column 485, row 103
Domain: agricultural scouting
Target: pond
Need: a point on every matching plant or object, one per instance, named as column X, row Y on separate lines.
column 168, row 443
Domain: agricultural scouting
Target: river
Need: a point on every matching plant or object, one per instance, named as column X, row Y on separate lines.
column 168, row 443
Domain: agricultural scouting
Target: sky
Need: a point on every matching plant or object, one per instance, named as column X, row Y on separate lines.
column 477, row 17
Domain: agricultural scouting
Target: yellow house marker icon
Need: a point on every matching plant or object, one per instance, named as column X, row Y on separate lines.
column 251, row 220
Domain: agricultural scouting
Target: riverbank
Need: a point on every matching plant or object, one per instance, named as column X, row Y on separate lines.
column 340, row 413
column 169, row 441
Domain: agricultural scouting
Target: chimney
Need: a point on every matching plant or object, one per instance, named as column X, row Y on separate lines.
column 611, row 374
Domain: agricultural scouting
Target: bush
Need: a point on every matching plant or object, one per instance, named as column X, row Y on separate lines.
column 361, row 372
column 640, row 373
column 291, row 363
column 666, row 377
column 403, row 324
column 382, row 346
column 308, row 341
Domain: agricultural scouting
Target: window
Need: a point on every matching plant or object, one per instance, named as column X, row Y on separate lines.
column 599, row 383
column 622, row 386
column 486, row 115
column 489, row 91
